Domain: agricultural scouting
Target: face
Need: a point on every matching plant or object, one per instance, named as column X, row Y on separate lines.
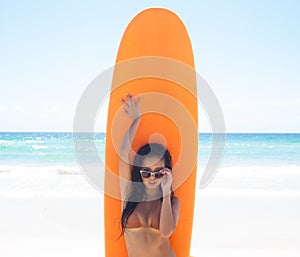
column 152, row 163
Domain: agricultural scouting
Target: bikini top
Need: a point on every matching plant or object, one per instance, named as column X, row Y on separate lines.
column 138, row 220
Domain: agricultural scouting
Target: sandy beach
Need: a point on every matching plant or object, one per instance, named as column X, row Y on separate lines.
column 225, row 224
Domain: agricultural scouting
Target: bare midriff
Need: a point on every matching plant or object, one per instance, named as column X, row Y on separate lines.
column 147, row 242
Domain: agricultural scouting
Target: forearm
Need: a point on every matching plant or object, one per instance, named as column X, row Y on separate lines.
column 124, row 162
column 166, row 225
column 129, row 137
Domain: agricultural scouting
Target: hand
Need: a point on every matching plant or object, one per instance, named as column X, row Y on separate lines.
column 166, row 181
column 131, row 107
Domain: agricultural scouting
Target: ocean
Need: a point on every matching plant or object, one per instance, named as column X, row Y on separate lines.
column 40, row 162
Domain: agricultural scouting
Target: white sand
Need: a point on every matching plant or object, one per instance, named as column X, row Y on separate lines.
column 51, row 227
column 246, row 225
column 57, row 215
column 225, row 225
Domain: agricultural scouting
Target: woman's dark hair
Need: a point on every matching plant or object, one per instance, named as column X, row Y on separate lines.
column 137, row 192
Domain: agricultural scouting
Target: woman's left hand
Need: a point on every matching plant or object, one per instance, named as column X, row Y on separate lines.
column 166, row 181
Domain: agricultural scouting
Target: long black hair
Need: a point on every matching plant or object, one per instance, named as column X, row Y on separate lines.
column 137, row 192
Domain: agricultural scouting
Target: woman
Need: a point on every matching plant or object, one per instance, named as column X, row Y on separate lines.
column 150, row 210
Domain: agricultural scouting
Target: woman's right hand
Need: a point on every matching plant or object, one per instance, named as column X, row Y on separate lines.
column 131, row 106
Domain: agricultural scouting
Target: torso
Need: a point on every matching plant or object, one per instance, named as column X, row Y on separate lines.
column 142, row 234
column 145, row 215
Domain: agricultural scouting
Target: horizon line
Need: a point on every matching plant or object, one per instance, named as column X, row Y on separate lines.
column 199, row 132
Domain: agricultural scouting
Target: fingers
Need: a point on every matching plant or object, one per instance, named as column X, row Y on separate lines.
column 130, row 101
column 138, row 100
column 166, row 171
column 130, row 106
column 166, row 181
column 167, row 178
column 125, row 105
column 124, row 102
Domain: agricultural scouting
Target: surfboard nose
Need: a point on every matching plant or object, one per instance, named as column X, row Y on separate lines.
column 160, row 28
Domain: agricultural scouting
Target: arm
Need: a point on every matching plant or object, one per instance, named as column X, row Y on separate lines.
column 131, row 109
column 169, row 210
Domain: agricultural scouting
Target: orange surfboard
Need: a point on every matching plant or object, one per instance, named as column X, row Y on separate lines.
column 155, row 61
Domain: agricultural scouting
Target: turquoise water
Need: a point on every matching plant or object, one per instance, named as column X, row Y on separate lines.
column 241, row 149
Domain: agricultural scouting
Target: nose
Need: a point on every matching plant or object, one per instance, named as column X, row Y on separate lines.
column 152, row 176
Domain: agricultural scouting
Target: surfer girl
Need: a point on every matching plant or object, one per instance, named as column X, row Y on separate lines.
column 150, row 210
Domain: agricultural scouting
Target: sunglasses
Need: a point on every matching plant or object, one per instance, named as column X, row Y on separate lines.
column 147, row 172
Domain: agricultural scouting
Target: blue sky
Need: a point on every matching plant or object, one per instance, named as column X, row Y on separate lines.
column 248, row 52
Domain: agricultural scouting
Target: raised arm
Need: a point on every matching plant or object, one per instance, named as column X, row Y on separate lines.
column 132, row 110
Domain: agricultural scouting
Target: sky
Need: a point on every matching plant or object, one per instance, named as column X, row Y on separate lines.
column 247, row 51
